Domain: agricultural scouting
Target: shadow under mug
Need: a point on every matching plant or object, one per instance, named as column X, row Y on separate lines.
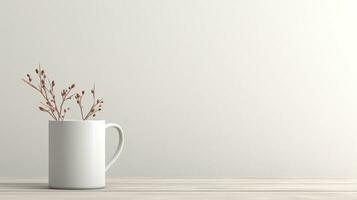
column 77, row 153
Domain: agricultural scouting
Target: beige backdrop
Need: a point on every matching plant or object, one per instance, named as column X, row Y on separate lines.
column 201, row 87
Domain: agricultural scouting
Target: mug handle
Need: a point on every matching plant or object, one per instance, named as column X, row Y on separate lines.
column 120, row 145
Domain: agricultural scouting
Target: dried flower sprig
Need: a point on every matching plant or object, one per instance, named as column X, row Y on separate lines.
column 96, row 105
column 46, row 89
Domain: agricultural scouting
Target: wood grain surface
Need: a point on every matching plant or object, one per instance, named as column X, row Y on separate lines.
column 190, row 188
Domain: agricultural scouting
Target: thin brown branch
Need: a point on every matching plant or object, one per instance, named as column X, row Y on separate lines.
column 50, row 110
column 30, row 84
column 43, row 90
column 47, row 92
column 58, row 111
column 95, row 107
column 65, row 97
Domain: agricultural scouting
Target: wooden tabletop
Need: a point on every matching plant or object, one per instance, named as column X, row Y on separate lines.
column 174, row 189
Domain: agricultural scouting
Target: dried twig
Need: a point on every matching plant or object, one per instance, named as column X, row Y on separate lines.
column 96, row 105
column 47, row 92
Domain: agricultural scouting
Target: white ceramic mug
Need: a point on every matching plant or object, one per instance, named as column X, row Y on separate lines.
column 77, row 153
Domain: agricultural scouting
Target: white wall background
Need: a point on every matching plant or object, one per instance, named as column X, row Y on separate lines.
column 201, row 87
